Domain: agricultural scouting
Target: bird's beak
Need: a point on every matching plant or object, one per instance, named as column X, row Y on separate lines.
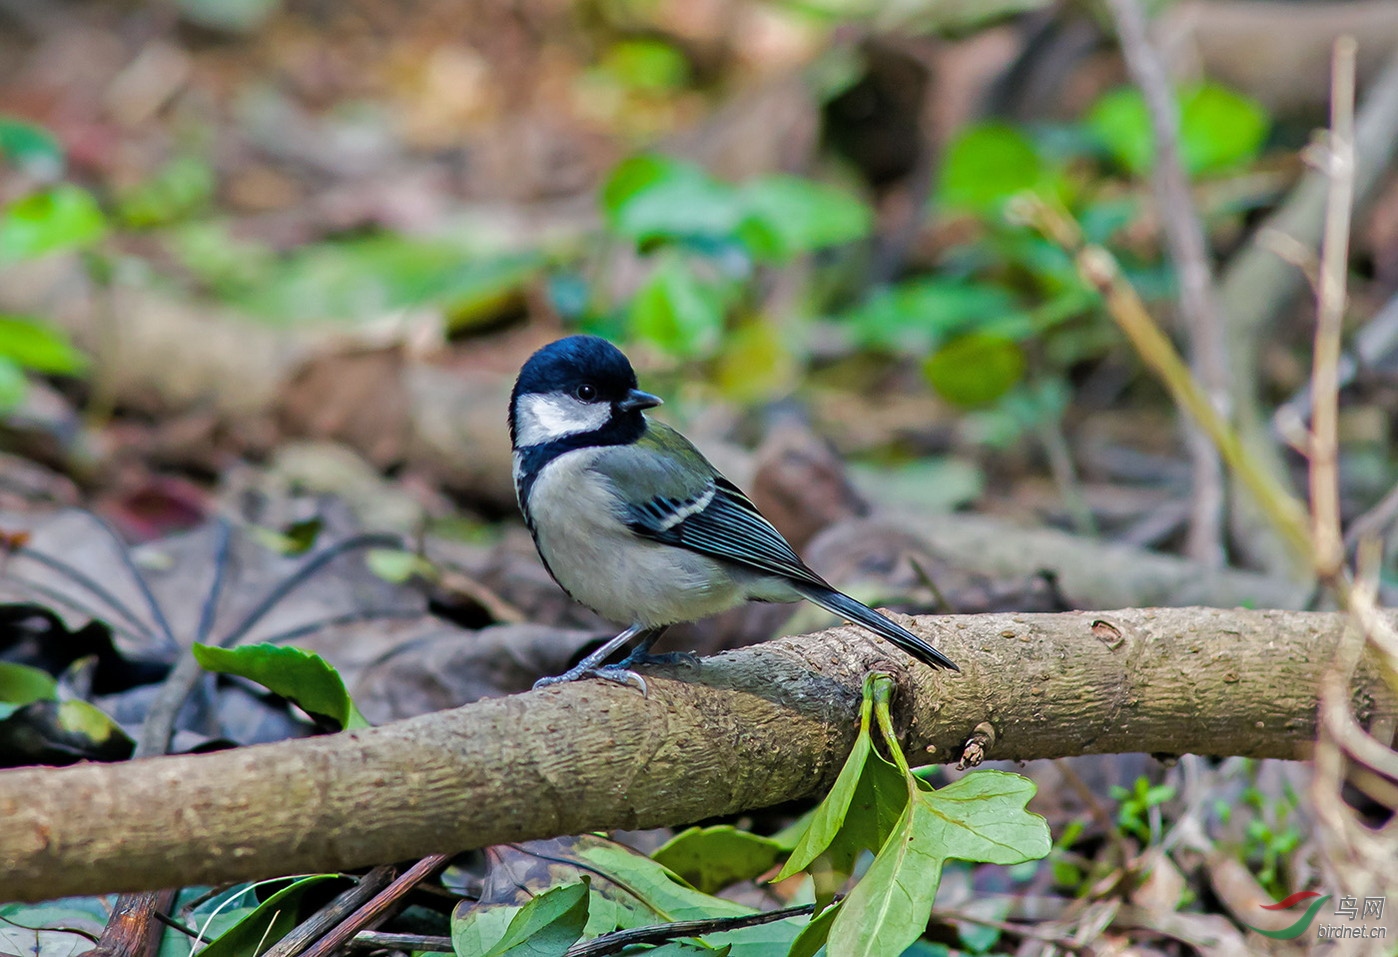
column 636, row 399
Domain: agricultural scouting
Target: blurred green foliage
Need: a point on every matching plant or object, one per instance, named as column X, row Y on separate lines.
column 1138, row 806
column 57, row 219
column 182, row 188
column 54, row 217
column 30, row 149
column 1006, row 319
column 357, row 278
column 706, row 243
column 996, row 330
column 1219, row 129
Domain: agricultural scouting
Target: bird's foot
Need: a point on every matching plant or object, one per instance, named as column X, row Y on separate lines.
column 618, row 673
column 640, row 657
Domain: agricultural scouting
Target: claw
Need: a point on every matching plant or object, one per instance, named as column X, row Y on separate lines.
column 616, row 673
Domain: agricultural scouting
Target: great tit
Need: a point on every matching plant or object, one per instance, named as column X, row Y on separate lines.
column 633, row 522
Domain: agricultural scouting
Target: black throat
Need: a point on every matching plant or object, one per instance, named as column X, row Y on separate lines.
column 622, row 428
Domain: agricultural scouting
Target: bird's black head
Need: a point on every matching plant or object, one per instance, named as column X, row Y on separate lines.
column 581, row 385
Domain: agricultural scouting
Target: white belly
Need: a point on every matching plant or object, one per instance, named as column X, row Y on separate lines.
column 606, row 567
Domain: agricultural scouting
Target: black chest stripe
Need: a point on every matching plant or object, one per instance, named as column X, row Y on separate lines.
column 620, row 430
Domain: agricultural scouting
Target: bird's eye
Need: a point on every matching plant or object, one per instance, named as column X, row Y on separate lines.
column 586, row 392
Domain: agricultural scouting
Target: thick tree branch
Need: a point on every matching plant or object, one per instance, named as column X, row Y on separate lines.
column 754, row 727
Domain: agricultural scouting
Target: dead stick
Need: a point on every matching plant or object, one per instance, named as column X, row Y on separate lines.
column 374, row 910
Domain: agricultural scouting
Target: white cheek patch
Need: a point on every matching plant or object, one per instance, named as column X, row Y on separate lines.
column 544, row 418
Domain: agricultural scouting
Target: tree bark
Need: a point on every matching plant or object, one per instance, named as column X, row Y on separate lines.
column 751, row 728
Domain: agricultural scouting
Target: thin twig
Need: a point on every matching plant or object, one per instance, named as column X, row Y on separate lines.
column 1065, row 476
column 61, row 598
column 410, row 943
column 86, row 582
column 129, row 563
column 1198, row 297
column 331, row 914
column 1369, row 346
column 376, row 908
column 1324, row 441
column 1359, row 858
column 223, row 541
column 1257, row 286
column 1101, row 271
column 619, row 940
column 303, row 574
column 159, row 724
column 1022, row 931
column 1373, row 522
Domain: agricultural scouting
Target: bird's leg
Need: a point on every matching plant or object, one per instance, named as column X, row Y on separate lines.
column 641, row 655
column 591, row 666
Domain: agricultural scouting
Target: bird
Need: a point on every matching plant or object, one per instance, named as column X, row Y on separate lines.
column 634, row 522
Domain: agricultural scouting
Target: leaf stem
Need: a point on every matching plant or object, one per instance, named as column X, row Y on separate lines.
column 878, row 689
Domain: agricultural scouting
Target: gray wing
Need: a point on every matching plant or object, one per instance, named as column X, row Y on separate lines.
column 722, row 523
column 670, row 493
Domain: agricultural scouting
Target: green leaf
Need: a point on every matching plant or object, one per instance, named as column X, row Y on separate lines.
column 662, row 892
column 30, row 148
column 787, row 215
column 1122, row 124
column 298, row 537
column 355, row 279
column 267, row 923
column 179, row 190
column 1218, row 128
column 711, row 858
column 302, row 677
column 757, row 363
column 53, row 220
column 546, row 926
column 985, row 165
column 88, row 722
column 829, row 815
column 653, row 197
column 915, row 317
column 627, row 890
column 975, row 369
column 398, row 565
column 647, row 64
column 48, row 731
column 38, row 346
column 54, row 927
column 857, row 815
column 873, row 813
column 200, row 909
column 233, row 16
column 814, row 935
column 476, row 927
column 13, row 385
column 21, row 684
column 936, row 483
column 980, row 817
column 678, row 312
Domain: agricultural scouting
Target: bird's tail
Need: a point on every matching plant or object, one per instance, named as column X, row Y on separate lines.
column 846, row 607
